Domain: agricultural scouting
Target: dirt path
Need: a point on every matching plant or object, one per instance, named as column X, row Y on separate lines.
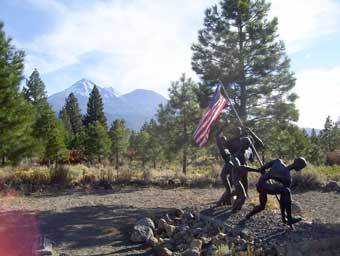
column 98, row 223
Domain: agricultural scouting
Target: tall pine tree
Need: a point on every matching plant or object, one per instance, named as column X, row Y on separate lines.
column 97, row 142
column 120, row 140
column 73, row 111
column 239, row 45
column 46, row 120
column 179, row 117
column 34, row 90
column 15, row 113
column 95, row 109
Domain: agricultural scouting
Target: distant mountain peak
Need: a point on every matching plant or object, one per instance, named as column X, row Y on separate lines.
column 135, row 107
column 82, row 87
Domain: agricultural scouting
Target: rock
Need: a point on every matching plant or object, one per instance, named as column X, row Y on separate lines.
column 162, row 251
column 146, row 222
column 182, row 228
column 192, row 252
column 43, row 247
column 242, row 245
column 246, row 234
column 179, row 213
column 188, row 216
column 197, row 231
column 218, row 239
column 181, row 247
column 141, row 234
column 196, row 243
column 259, row 252
column 162, row 224
column 296, row 208
column 205, row 241
column 169, row 220
column 170, row 229
column 152, row 242
column 331, row 186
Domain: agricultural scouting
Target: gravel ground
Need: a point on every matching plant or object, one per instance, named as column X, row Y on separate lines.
column 99, row 222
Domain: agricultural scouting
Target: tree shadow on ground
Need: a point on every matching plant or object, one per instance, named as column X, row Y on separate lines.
column 81, row 191
column 90, row 227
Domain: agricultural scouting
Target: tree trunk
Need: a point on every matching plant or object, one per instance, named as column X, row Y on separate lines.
column 154, row 163
column 184, row 163
column 242, row 82
column 117, row 160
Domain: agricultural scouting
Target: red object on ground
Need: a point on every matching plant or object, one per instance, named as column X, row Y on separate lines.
column 19, row 231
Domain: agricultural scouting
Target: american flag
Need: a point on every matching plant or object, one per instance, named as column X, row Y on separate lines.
column 216, row 106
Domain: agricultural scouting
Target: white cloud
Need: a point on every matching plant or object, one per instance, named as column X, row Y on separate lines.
column 319, row 91
column 146, row 43
column 303, row 21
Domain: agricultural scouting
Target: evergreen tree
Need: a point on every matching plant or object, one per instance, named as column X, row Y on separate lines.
column 55, row 150
column 63, row 116
column 74, row 114
column 327, row 135
column 72, row 119
column 132, row 148
column 154, row 144
column 179, row 118
column 142, row 143
column 120, row 140
column 95, row 109
column 34, row 91
column 316, row 152
column 48, row 132
column 239, row 45
column 167, row 134
column 97, row 142
column 16, row 116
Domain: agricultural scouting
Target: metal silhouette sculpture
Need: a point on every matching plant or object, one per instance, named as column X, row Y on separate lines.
column 280, row 173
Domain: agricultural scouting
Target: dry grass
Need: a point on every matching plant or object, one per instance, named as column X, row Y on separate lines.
column 205, row 173
column 272, row 203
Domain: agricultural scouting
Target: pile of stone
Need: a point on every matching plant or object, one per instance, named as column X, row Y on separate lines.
column 189, row 234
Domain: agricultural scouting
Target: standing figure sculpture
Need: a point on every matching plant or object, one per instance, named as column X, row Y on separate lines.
column 280, row 173
column 236, row 151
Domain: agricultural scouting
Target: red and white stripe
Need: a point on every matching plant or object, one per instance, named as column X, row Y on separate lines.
column 201, row 133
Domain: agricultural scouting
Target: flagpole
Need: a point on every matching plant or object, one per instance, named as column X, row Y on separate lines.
column 239, row 119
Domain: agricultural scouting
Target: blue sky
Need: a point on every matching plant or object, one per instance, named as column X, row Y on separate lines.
column 129, row 44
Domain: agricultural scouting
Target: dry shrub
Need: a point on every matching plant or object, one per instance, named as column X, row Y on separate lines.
column 77, row 172
column 308, row 179
column 41, row 176
column 36, row 176
column 148, row 176
column 124, row 175
column 60, row 175
column 88, row 178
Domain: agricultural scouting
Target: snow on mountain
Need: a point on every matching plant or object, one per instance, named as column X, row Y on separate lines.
column 135, row 107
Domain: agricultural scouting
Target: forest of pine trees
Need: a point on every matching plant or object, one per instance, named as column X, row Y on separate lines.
column 237, row 45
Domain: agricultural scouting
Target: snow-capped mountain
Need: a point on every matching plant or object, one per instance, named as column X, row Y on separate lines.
column 135, row 107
